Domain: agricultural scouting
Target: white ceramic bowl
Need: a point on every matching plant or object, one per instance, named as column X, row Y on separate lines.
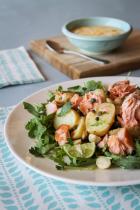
column 97, row 44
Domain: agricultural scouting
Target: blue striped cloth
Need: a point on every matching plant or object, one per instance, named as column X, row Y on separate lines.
column 24, row 189
column 16, row 67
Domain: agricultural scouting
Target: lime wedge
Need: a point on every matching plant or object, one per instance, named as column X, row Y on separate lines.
column 80, row 150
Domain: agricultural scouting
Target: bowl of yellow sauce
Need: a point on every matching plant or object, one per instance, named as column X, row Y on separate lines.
column 97, row 35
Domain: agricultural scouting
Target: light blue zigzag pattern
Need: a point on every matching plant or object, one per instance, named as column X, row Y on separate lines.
column 22, row 188
column 13, row 182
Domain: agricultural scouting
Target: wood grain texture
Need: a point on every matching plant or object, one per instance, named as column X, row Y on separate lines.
column 125, row 58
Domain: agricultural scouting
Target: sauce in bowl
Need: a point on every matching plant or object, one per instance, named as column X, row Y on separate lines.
column 97, row 31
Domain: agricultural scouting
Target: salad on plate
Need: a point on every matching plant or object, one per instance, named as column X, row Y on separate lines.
column 88, row 127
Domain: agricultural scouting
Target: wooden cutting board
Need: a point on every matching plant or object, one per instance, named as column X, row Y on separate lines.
column 126, row 58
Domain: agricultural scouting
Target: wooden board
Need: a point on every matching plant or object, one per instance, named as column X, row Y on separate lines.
column 126, row 58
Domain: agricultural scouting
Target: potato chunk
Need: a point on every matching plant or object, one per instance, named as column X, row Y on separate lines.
column 71, row 118
column 78, row 132
column 100, row 121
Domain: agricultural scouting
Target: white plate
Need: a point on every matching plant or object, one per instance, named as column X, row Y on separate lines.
column 19, row 144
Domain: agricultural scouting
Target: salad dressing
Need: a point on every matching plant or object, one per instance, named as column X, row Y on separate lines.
column 97, row 31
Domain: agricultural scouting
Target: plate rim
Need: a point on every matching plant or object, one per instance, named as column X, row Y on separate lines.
column 50, row 175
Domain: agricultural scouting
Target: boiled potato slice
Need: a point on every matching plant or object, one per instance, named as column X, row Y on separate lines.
column 84, row 134
column 78, row 132
column 71, row 118
column 100, row 122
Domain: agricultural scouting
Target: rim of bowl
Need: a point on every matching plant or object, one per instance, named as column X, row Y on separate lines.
column 69, row 34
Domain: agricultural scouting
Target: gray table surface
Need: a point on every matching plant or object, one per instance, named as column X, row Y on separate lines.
column 24, row 20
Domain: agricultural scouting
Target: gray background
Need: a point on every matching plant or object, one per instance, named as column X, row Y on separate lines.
column 24, row 20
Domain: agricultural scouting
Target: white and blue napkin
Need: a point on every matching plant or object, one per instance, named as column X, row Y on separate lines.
column 16, row 67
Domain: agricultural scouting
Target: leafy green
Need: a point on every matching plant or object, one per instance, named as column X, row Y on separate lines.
column 57, row 155
column 35, row 110
column 60, row 88
column 82, row 162
column 51, row 96
column 40, row 130
column 108, row 154
column 43, row 134
column 40, row 127
column 65, row 109
column 45, row 119
column 31, row 127
column 31, row 109
column 35, row 151
column 70, row 141
column 89, row 164
column 77, row 89
column 41, row 108
column 88, row 86
column 59, row 167
column 128, row 162
column 93, row 85
column 42, row 150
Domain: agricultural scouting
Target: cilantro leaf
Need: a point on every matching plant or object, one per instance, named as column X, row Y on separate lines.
column 35, row 128
column 31, row 127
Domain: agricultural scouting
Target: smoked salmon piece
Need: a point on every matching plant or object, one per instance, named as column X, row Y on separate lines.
column 131, row 110
column 76, row 100
column 62, row 134
column 121, row 89
column 120, row 143
column 91, row 100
